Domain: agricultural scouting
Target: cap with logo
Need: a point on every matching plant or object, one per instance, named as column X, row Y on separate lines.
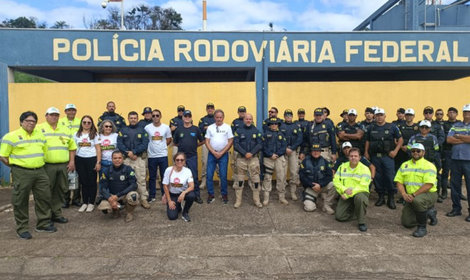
column 147, row 110
column 409, row 111
column 210, row 105
column 346, row 144
column 242, row 109
column 187, row 112
column 345, row 112
column 428, row 109
column 318, row 112
column 52, row 110
column 379, row 111
column 288, row 112
column 352, row 112
column 453, row 109
column 418, row 146
column 315, row 147
column 401, row 110
column 466, row 108
column 180, row 108
column 425, row 123
column 301, row 111
column 70, row 106
column 274, row 121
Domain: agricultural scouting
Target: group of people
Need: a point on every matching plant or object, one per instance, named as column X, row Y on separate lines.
column 331, row 162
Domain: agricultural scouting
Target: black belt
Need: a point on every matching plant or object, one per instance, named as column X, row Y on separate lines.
column 56, row 163
column 21, row 167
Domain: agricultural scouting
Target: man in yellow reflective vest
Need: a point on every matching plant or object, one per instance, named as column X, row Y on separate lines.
column 23, row 151
column 417, row 183
column 352, row 181
column 60, row 159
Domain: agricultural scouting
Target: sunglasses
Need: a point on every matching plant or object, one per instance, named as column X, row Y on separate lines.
column 425, row 127
column 427, row 113
column 179, row 160
column 416, row 151
column 272, row 112
column 155, row 116
column 108, row 126
column 439, row 114
column 187, row 116
column 86, row 122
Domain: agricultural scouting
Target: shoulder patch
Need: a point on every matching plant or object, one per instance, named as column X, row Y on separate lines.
column 132, row 173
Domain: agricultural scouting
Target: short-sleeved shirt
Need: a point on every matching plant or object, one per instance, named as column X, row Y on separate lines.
column 179, row 181
column 23, row 149
column 108, row 145
column 86, row 146
column 219, row 135
column 187, row 139
column 157, row 140
column 460, row 151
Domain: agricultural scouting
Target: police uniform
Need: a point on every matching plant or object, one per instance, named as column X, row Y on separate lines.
column 59, row 143
column 406, row 132
column 247, row 139
column 303, row 123
column 317, row 170
column 25, row 154
column 320, row 133
column 355, row 204
column 144, row 122
column 121, row 182
column 73, row 125
column 351, row 129
column 135, row 139
column 205, row 122
column 294, row 137
column 446, row 156
column 274, row 143
column 177, row 122
column 413, row 175
column 118, row 120
column 236, row 123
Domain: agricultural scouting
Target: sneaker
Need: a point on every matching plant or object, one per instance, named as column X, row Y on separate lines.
column 225, row 199
column 90, row 208
column 151, row 200
column 83, row 208
column 210, row 198
column 186, row 217
column 199, row 200
column 49, row 229
column 25, row 235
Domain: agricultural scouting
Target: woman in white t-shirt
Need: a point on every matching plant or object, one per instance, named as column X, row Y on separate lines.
column 108, row 143
column 87, row 161
column 178, row 184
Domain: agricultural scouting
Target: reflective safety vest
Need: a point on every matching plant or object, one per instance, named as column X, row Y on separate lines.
column 58, row 142
column 414, row 175
column 358, row 179
column 23, row 149
column 381, row 141
column 72, row 125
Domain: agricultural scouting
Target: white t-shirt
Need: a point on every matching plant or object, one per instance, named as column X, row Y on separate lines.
column 86, row 146
column 157, row 140
column 219, row 135
column 108, row 145
column 179, row 180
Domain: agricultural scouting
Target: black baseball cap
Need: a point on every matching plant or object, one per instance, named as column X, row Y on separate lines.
column 181, row 108
column 147, row 110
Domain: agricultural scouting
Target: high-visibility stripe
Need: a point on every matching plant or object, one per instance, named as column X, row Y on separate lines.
column 58, row 134
column 23, row 142
column 413, row 184
column 402, row 170
column 57, row 148
column 359, row 176
column 27, row 156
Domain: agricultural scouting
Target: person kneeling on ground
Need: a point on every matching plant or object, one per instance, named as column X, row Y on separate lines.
column 416, row 181
column 178, row 184
column 316, row 177
column 352, row 183
column 118, row 183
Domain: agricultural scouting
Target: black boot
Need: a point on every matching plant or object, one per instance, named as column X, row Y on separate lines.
column 463, row 197
column 443, row 192
column 432, row 216
column 391, row 201
column 381, row 200
column 421, row 219
column 401, row 200
column 439, row 199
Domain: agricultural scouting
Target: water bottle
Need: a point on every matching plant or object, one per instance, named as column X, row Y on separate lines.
column 73, row 180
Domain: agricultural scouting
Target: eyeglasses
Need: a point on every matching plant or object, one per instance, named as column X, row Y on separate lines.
column 155, row 116
column 179, row 160
column 108, row 126
column 86, row 122
column 30, row 121
column 416, row 151
column 439, row 114
column 425, row 127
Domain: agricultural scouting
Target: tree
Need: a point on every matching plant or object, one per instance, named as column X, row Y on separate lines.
column 21, row 22
column 60, row 25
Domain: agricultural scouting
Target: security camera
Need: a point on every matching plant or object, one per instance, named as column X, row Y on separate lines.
column 104, row 4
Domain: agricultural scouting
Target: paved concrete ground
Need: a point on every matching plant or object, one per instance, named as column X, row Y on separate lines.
column 275, row 242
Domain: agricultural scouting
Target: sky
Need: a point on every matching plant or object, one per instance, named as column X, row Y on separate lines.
column 222, row 15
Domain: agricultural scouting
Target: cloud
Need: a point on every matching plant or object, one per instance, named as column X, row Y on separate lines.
column 13, row 10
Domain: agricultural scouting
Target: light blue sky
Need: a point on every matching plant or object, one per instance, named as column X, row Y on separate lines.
column 223, row 15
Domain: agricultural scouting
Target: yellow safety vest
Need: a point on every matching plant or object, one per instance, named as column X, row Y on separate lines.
column 414, row 175
column 72, row 125
column 23, row 149
column 357, row 179
column 58, row 142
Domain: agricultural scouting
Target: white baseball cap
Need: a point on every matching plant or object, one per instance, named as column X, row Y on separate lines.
column 425, row 123
column 52, row 110
column 379, row 111
column 352, row 112
column 70, row 106
column 409, row 111
column 346, row 144
column 466, row 108
column 418, row 146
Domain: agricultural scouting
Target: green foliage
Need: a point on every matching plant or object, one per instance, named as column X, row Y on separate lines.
column 21, row 77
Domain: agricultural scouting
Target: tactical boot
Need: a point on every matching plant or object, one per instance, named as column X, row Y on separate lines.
column 381, row 200
column 282, row 199
column 421, row 219
column 116, row 213
column 432, row 215
column 293, row 193
column 444, row 192
column 238, row 194
column 145, row 204
column 391, row 201
column 130, row 211
column 256, row 199
column 439, row 199
column 266, row 199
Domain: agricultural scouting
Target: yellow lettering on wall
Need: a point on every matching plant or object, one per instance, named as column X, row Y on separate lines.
column 182, row 47
column 244, row 48
column 258, row 53
column 386, row 45
column 284, row 53
column 272, row 50
column 326, row 53
column 300, row 48
column 220, row 57
column 350, row 50
column 60, row 45
column 197, row 53
column 115, row 47
column 456, row 56
column 369, row 50
column 405, row 51
column 425, row 49
column 313, row 51
column 443, row 52
column 96, row 55
column 134, row 44
column 142, row 49
column 87, row 45
column 155, row 51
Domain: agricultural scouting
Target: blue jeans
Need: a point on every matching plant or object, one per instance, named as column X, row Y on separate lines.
column 191, row 163
column 459, row 168
column 223, row 166
column 154, row 163
column 188, row 202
